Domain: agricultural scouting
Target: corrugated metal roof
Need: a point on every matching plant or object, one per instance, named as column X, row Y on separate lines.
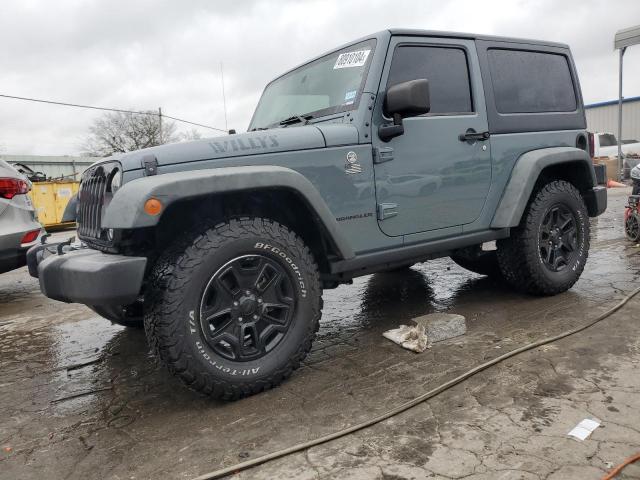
column 627, row 37
column 612, row 102
column 48, row 159
column 53, row 166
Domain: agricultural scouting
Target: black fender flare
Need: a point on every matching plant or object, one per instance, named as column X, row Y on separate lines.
column 525, row 174
column 125, row 211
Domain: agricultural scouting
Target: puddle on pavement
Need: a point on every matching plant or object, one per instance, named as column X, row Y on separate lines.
column 75, row 353
column 81, row 342
column 385, row 299
column 68, row 365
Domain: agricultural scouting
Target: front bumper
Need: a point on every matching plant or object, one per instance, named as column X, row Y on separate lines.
column 84, row 275
column 596, row 200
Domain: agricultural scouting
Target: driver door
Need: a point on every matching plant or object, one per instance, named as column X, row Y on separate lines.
column 429, row 178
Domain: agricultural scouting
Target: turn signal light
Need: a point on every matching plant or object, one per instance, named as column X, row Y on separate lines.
column 30, row 237
column 152, row 207
column 10, row 187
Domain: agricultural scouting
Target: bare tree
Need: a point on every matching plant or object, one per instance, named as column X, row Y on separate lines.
column 192, row 134
column 116, row 132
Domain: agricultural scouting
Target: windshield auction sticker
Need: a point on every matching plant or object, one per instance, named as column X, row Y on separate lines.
column 352, row 59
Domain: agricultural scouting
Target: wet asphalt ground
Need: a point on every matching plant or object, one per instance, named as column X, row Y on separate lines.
column 81, row 398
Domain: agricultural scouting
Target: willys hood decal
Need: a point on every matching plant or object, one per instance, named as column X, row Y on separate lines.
column 240, row 145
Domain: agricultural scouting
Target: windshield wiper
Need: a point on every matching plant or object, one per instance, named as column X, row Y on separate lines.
column 304, row 119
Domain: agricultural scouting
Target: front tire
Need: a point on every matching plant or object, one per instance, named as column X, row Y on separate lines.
column 233, row 309
column 547, row 252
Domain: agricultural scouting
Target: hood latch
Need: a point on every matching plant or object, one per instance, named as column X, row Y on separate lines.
column 150, row 165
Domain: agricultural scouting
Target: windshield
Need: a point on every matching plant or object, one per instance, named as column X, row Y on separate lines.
column 328, row 85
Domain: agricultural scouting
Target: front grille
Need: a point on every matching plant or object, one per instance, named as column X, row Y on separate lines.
column 92, row 198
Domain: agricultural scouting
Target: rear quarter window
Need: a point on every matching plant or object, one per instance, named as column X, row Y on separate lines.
column 531, row 82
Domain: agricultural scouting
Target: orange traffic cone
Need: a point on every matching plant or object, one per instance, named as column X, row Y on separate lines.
column 614, row 184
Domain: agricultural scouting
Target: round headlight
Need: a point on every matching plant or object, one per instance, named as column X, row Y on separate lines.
column 116, row 180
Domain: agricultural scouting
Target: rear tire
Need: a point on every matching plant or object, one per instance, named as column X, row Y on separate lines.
column 232, row 310
column 547, row 252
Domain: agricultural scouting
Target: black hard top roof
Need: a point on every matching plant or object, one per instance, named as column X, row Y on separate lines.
column 427, row 33
column 472, row 36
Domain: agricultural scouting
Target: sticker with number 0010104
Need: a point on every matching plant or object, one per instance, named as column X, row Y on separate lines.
column 352, row 59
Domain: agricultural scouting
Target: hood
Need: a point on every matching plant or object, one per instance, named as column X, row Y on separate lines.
column 245, row 144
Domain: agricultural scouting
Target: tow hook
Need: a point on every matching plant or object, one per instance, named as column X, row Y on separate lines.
column 60, row 246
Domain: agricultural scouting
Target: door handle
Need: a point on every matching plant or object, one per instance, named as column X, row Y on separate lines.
column 472, row 136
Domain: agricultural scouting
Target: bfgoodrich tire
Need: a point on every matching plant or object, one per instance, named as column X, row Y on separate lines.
column 547, row 252
column 232, row 310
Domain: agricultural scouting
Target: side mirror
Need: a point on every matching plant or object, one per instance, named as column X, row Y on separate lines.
column 406, row 99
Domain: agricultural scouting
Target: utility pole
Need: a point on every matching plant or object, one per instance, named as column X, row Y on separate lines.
column 224, row 100
column 160, row 124
column 623, row 39
column 620, row 99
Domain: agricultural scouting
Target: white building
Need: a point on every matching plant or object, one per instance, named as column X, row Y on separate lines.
column 603, row 117
column 54, row 167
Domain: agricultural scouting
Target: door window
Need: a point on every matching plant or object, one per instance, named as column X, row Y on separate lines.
column 446, row 70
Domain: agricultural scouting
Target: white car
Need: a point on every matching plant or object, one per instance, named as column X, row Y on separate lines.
column 19, row 227
column 606, row 145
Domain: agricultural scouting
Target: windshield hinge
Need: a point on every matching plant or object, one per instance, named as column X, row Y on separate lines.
column 150, row 165
column 382, row 154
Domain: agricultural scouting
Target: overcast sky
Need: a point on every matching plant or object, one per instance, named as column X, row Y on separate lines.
column 142, row 54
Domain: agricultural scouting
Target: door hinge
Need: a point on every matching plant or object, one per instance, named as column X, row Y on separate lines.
column 382, row 154
column 387, row 210
column 150, row 165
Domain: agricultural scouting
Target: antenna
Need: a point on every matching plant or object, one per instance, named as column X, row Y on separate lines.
column 224, row 99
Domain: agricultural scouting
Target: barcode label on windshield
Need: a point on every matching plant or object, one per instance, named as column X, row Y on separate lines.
column 352, row 59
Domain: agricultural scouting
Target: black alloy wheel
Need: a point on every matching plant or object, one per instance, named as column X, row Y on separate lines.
column 558, row 238
column 548, row 250
column 632, row 227
column 247, row 307
column 233, row 307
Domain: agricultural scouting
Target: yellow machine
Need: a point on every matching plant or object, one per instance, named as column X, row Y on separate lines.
column 50, row 200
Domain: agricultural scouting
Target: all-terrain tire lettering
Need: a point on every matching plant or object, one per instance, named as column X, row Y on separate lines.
column 171, row 319
column 519, row 255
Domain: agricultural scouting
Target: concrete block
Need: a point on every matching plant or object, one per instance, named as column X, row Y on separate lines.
column 442, row 326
